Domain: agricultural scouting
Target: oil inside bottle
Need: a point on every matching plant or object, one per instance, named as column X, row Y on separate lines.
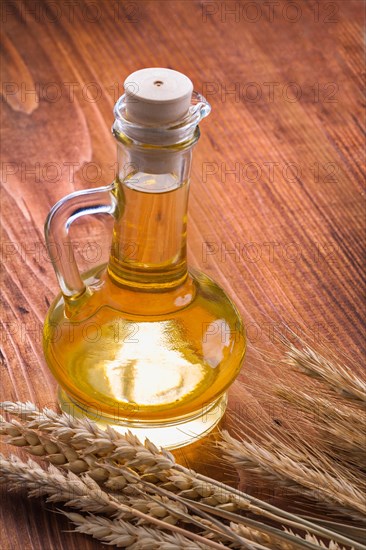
column 151, row 346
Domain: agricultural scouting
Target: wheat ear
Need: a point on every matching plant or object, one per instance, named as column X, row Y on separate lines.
column 85, row 495
column 343, row 427
column 118, row 477
column 83, row 434
column 274, row 458
column 311, row 538
column 235, row 519
column 274, row 543
column 340, row 378
column 123, row 534
column 81, row 493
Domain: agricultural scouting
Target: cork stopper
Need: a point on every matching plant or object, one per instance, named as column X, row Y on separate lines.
column 157, row 96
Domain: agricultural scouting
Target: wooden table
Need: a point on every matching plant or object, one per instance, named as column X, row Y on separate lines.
column 277, row 202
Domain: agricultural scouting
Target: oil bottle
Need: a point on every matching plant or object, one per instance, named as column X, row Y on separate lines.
column 143, row 342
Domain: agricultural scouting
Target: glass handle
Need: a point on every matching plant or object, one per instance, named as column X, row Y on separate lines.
column 100, row 200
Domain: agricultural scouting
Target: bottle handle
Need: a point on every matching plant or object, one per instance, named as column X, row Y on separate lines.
column 100, row 200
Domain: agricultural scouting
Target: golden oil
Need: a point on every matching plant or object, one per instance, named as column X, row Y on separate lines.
column 137, row 350
column 142, row 343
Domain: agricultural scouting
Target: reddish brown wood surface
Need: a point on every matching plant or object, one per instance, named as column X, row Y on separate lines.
column 285, row 84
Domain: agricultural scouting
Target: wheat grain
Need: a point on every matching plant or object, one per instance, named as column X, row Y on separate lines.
column 258, row 527
column 347, row 421
column 275, row 542
column 89, row 440
column 118, row 477
column 83, row 494
column 123, row 534
column 329, row 465
column 83, row 434
column 298, row 472
column 223, row 513
column 93, row 446
column 339, row 378
column 332, row 545
column 103, row 468
column 149, row 486
column 342, row 427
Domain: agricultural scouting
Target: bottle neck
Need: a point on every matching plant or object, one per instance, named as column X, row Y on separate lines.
column 149, row 250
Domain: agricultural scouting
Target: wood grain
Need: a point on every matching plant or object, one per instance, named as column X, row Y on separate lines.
column 287, row 117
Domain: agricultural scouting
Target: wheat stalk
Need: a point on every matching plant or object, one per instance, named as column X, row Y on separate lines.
column 269, row 534
column 292, row 445
column 303, row 472
column 100, row 464
column 88, row 440
column 235, row 519
column 82, row 493
column 340, row 378
column 84, row 435
column 346, row 421
column 185, row 482
column 311, row 538
column 120, row 477
column 343, row 427
column 330, row 468
column 123, row 534
column 85, row 495
column 275, row 543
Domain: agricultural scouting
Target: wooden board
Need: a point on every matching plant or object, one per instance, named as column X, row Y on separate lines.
column 276, row 212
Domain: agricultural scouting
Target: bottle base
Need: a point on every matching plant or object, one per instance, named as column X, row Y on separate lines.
column 169, row 434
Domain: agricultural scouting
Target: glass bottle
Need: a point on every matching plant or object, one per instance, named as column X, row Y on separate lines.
column 143, row 343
